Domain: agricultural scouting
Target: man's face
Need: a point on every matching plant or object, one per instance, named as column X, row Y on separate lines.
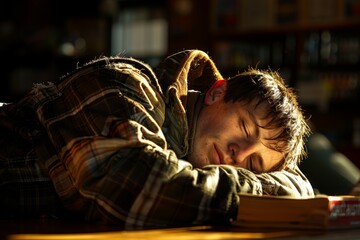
column 227, row 133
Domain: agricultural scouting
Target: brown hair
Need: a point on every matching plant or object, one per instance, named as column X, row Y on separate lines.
column 283, row 110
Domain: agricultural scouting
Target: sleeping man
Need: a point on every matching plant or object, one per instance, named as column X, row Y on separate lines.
column 116, row 142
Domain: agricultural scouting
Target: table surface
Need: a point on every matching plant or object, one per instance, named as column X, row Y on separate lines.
column 57, row 229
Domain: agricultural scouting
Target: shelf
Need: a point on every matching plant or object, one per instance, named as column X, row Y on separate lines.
column 280, row 30
column 314, row 45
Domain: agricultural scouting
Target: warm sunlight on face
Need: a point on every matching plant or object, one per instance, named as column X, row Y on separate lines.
column 228, row 134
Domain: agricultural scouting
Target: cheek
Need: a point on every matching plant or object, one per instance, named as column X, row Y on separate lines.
column 219, row 123
column 227, row 124
column 213, row 131
column 200, row 157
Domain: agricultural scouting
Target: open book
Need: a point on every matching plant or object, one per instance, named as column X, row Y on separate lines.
column 320, row 212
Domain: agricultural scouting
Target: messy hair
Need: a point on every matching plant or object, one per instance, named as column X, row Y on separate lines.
column 282, row 112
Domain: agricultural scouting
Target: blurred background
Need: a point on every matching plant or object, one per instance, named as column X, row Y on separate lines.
column 315, row 45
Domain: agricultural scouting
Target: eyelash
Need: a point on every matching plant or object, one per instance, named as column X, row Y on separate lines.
column 245, row 129
column 248, row 136
column 251, row 165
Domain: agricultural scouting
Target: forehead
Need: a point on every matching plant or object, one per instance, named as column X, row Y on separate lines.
column 263, row 118
column 260, row 113
column 258, row 109
column 260, row 120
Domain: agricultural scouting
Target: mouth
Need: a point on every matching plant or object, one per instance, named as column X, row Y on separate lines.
column 218, row 158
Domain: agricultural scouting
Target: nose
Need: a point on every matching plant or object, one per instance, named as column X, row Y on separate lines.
column 240, row 152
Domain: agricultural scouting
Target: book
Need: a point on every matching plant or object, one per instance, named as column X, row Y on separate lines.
column 256, row 14
column 320, row 12
column 319, row 212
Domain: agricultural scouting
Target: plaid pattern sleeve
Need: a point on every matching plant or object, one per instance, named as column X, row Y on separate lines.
column 27, row 191
column 97, row 135
column 25, row 187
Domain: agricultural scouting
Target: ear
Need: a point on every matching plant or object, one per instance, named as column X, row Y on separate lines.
column 216, row 92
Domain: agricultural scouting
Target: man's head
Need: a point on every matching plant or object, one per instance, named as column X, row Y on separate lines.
column 253, row 121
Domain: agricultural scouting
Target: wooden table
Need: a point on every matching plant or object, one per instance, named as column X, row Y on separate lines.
column 50, row 229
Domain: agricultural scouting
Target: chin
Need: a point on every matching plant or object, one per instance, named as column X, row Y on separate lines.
column 196, row 163
column 198, row 160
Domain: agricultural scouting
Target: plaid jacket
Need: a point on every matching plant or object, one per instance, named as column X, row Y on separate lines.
column 109, row 141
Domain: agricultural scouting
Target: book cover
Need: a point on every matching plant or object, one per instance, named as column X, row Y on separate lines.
column 344, row 212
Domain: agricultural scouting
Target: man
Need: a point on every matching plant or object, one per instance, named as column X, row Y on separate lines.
column 124, row 145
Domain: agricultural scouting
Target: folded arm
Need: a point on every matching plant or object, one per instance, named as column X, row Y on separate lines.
column 134, row 182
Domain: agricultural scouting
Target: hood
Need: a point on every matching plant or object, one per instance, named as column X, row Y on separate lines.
column 178, row 73
column 189, row 69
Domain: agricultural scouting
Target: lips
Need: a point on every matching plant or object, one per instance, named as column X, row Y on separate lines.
column 218, row 157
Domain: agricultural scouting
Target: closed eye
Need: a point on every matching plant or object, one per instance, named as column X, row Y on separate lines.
column 246, row 131
column 251, row 165
column 255, row 164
